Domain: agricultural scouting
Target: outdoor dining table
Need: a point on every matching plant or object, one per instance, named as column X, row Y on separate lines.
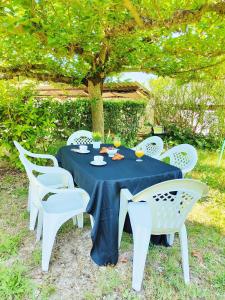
column 103, row 183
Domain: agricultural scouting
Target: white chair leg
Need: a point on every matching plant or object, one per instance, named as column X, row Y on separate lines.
column 49, row 233
column 39, row 226
column 122, row 216
column 29, row 197
column 184, row 253
column 80, row 220
column 33, row 216
column 170, row 238
column 141, row 237
column 74, row 221
column 92, row 221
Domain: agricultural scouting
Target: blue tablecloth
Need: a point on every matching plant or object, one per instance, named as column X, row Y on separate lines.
column 104, row 184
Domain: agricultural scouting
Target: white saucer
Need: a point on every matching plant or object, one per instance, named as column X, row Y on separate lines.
column 80, row 151
column 98, row 164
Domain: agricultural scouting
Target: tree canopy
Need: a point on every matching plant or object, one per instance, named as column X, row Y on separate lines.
column 83, row 41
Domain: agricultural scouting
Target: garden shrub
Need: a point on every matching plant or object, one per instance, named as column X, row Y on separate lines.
column 191, row 113
column 23, row 120
column 122, row 117
column 40, row 123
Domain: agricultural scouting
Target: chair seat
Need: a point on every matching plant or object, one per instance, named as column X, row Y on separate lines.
column 53, row 180
column 63, row 203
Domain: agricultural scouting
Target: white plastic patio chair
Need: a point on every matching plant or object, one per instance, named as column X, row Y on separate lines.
column 152, row 146
column 55, row 211
column 183, row 156
column 44, row 178
column 80, row 137
column 54, row 177
column 164, row 211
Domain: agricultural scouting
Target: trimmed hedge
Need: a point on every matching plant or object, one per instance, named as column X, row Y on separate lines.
column 122, row 117
column 38, row 124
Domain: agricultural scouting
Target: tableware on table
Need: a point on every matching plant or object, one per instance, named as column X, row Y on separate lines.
column 97, row 138
column 117, row 142
column 139, row 153
column 94, row 163
column 112, row 152
column 98, row 161
column 81, row 152
column 83, row 148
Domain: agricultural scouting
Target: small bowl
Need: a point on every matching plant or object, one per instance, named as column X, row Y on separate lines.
column 112, row 152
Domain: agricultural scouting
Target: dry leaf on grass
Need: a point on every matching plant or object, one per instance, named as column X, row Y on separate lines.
column 198, row 255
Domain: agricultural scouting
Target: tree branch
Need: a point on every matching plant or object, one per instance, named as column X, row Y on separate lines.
column 201, row 68
column 156, row 70
column 179, row 17
column 39, row 76
column 22, row 68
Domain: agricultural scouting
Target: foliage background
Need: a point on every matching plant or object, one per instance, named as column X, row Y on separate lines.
column 39, row 124
column 192, row 112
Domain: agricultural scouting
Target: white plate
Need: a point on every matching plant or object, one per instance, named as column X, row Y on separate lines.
column 98, row 164
column 80, row 151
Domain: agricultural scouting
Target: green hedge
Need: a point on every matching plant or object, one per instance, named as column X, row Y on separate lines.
column 122, row 117
column 39, row 124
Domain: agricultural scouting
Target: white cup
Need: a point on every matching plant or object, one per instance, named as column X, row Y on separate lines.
column 83, row 148
column 98, row 159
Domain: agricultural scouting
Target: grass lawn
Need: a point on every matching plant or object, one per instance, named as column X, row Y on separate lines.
column 72, row 275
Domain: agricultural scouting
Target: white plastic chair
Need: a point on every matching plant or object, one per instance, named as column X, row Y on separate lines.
column 80, row 137
column 55, row 211
column 152, row 146
column 183, row 156
column 164, row 211
column 54, row 177
column 48, row 180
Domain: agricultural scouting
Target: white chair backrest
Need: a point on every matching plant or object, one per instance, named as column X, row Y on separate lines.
column 80, row 137
column 21, row 150
column 30, row 168
column 152, row 146
column 41, row 190
column 170, row 202
column 183, row 156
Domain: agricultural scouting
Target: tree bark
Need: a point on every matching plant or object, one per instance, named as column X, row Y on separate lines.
column 95, row 95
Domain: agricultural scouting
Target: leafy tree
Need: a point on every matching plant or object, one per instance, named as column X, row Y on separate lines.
column 191, row 112
column 83, row 41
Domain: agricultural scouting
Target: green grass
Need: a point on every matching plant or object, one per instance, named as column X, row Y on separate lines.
column 14, row 282
column 36, row 256
column 10, row 244
column 163, row 273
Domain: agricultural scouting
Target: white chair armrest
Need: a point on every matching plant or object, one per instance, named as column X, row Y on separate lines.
column 83, row 193
column 48, row 169
column 59, row 190
column 126, row 194
column 55, row 170
column 44, row 156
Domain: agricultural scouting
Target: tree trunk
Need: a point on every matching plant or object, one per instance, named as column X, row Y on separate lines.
column 95, row 95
